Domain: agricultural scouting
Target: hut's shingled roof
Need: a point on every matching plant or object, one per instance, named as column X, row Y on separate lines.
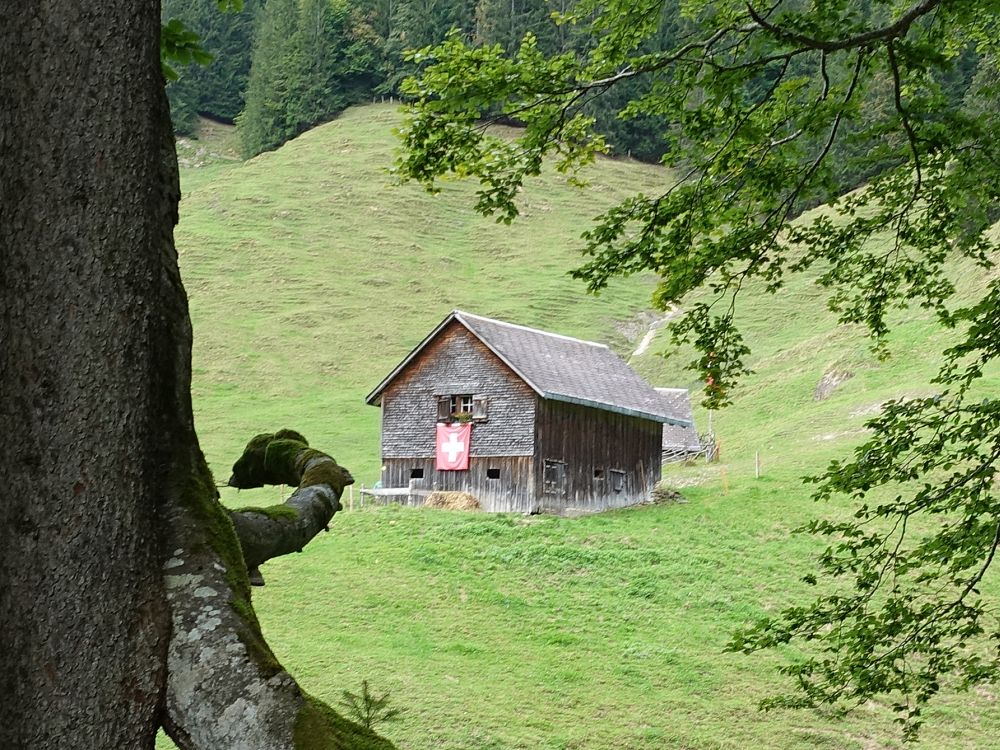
column 560, row 368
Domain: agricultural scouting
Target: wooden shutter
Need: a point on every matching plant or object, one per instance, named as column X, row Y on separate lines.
column 444, row 408
column 617, row 480
column 480, row 406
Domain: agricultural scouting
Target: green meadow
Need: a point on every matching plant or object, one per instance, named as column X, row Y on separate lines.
column 310, row 275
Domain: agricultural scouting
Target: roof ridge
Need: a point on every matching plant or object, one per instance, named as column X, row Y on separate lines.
column 459, row 313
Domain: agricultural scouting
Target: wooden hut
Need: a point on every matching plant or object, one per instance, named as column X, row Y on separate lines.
column 548, row 422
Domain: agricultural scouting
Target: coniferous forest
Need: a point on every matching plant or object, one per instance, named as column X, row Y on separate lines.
column 283, row 66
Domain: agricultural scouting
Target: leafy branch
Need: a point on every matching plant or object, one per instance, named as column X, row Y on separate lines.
column 181, row 46
column 754, row 103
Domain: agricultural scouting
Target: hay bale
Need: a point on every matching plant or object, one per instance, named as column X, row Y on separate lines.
column 452, row 501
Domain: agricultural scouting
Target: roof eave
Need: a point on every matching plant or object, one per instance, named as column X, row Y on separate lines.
column 617, row 409
column 374, row 398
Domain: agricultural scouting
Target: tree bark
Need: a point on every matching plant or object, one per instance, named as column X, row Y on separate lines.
column 92, row 333
column 264, row 535
column 124, row 600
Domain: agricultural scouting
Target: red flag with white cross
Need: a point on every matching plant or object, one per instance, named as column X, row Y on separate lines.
column 453, row 442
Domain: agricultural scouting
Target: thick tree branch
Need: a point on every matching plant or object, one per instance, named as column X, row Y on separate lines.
column 225, row 689
column 285, row 458
column 270, row 532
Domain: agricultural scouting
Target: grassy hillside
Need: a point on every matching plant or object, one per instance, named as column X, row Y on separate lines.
column 796, row 344
column 310, row 277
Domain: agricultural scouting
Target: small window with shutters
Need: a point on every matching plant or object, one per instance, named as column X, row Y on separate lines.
column 462, row 407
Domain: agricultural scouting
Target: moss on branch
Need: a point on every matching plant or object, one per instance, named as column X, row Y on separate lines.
column 284, row 457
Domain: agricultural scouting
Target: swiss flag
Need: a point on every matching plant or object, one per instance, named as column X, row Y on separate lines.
column 452, row 443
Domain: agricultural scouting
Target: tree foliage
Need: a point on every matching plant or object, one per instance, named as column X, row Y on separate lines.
column 765, row 110
column 383, row 32
column 419, row 23
column 372, row 44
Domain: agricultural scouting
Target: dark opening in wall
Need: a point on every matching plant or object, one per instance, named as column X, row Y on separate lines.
column 598, row 473
column 417, row 473
column 493, row 473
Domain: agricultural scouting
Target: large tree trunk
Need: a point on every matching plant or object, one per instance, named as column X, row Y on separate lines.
column 124, row 600
column 93, row 332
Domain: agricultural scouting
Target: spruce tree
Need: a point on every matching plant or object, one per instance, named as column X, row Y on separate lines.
column 264, row 123
column 215, row 90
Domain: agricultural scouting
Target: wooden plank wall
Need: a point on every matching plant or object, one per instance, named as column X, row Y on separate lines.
column 587, row 439
column 512, row 492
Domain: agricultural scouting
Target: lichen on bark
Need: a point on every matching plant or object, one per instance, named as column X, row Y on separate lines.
column 219, row 663
column 199, row 497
